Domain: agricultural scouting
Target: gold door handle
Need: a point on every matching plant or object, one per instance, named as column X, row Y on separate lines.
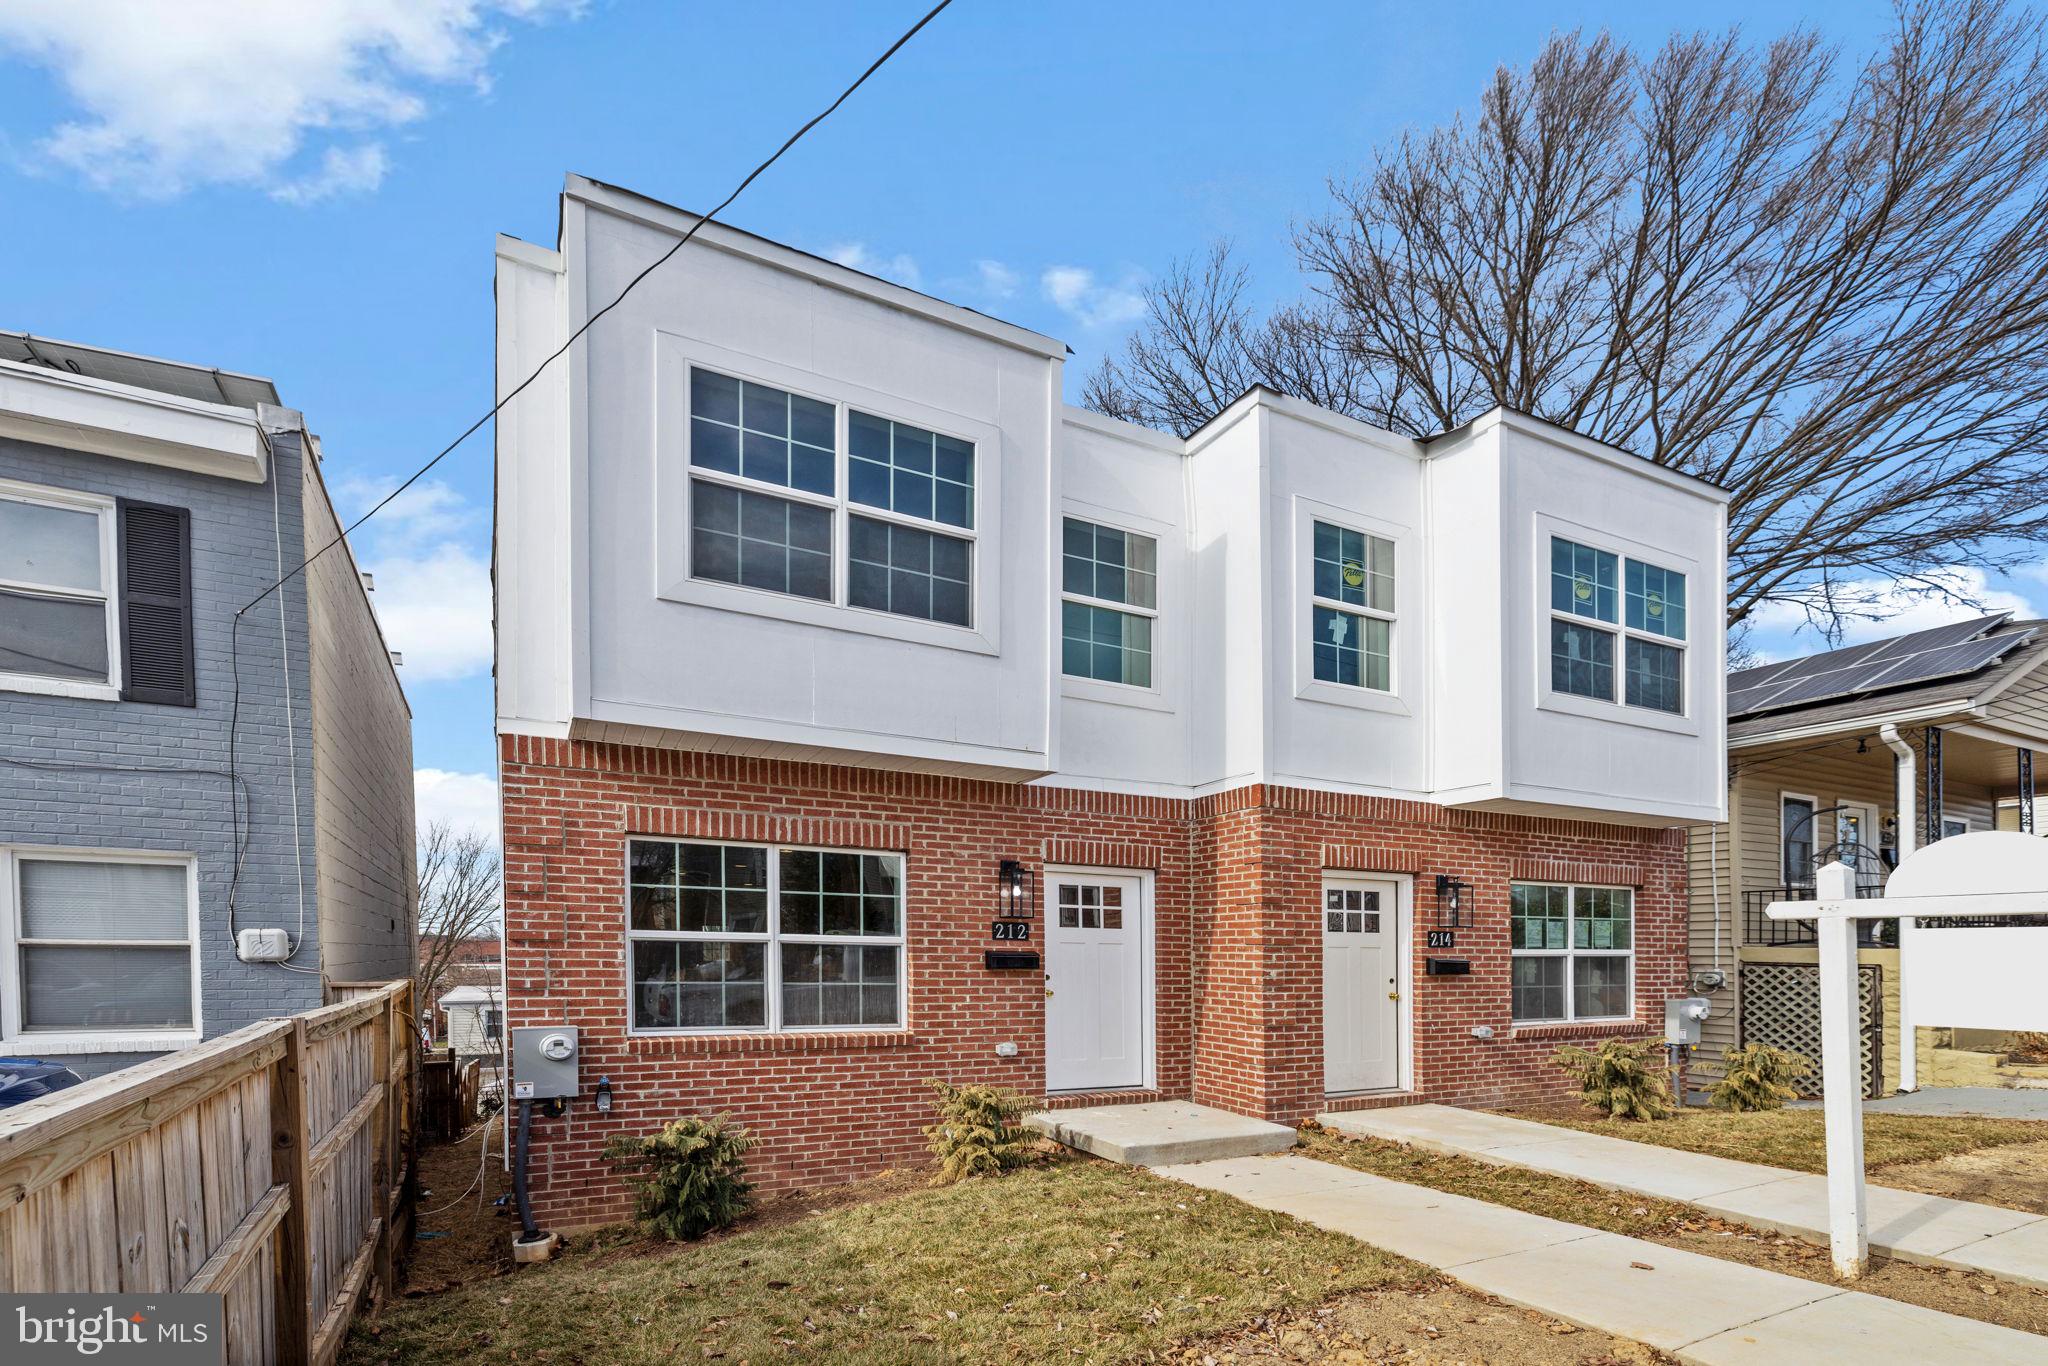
column 1048, row 993
column 1393, row 996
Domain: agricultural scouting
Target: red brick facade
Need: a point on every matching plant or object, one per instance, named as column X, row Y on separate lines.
column 1238, row 945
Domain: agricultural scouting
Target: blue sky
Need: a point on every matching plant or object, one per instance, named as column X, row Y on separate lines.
column 309, row 192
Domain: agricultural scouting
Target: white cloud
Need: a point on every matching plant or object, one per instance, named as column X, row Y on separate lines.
column 902, row 267
column 170, row 96
column 433, row 595
column 464, row 801
column 1075, row 291
column 995, row 279
column 352, row 170
column 1894, row 608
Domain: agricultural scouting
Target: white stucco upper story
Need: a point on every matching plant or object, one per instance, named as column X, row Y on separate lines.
column 771, row 506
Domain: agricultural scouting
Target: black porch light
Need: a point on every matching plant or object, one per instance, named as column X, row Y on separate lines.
column 1013, row 890
column 1454, row 908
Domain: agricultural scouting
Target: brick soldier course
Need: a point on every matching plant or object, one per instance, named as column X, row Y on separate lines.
column 1237, row 928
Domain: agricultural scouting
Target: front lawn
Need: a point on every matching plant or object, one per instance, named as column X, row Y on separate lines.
column 1795, row 1139
column 1069, row 1260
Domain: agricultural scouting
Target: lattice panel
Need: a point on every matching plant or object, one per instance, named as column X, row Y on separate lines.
column 1781, row 1007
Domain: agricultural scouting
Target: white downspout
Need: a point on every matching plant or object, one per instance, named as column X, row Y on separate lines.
column 1906, row 799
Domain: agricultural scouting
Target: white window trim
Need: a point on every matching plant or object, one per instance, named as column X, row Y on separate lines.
column 73, row 501
column 1571, row 1015
column 1153, row 694
column 774, row 938
column 45, row 1041
column 1948, row 819
column 1403, row 621
column 1812, row 833
column 1684, row 722
column 1872, row 822
column 675, row 358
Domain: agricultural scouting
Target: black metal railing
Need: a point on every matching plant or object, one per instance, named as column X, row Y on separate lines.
column 1758, row 928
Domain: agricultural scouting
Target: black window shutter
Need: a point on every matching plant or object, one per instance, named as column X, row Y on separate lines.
column 156, row 604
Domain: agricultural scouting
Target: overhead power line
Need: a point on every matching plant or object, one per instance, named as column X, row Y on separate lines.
column 235, row 634
column 618, row 299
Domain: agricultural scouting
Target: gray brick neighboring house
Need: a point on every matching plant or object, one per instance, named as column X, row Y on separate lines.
column 150, row 807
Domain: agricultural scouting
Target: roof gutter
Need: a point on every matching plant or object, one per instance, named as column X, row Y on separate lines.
column 1931, row 712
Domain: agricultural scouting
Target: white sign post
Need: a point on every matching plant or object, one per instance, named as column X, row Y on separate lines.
column 1835, row 911
column 1990, row 873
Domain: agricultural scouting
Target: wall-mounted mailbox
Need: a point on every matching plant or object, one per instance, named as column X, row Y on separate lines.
column 1001, row 959
column 1447, row 967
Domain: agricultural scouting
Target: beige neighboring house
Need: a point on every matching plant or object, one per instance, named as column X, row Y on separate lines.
column 1860, row 754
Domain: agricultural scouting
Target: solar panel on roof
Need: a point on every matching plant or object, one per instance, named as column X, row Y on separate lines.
column 1920, row 657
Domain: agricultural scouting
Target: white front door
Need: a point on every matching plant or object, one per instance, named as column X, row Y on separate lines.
column 1361, row 984
column 1094, row 982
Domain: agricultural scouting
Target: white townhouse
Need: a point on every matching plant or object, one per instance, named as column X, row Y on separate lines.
column 867, row 714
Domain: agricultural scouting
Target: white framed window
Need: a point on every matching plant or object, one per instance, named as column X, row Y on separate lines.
column 1617, row 628
column 1572, row 952
column 100, row 949
column 60, row 629
column 753, row 938
column 828, row 501
column 1351, row 607
column 1797, row 817
column 1109, row 604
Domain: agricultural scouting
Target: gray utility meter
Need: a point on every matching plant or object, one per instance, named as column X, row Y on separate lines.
column 544, row 1062
column 1683, row 1017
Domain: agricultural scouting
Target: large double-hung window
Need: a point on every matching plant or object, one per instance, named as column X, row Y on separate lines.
column 774, row 506
column 1616, row 622
column 1572, row 951
column 762, row 937
column 1351, row 611
column 98, row 947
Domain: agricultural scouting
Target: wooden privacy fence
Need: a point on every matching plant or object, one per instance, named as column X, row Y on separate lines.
column 270, row 1166
column 448, row 1094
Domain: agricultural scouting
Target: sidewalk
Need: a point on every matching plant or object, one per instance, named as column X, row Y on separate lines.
column 1931, row 1229
column 1700, row 1309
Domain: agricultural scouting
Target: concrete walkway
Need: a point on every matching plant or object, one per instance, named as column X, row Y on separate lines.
column 1699, row 1309
column 1987, row 1102
column 1917, row 1228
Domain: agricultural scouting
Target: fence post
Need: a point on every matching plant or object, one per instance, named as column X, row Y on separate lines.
column 291, row 1146
column 383, row 1154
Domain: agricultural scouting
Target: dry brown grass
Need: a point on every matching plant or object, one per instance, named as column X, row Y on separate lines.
column 1796, row 1139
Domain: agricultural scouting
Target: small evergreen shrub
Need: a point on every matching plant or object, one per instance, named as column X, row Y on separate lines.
column 1758, row 1077
column 977, row 1133
column 1624, row 1079
column 689, row 1179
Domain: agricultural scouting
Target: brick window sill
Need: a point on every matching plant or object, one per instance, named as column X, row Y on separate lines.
column 1598, row 1029
column 695, row 1044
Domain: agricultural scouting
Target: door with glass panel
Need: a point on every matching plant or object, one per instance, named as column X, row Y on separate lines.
column 1361, row 984
column 1094, row 982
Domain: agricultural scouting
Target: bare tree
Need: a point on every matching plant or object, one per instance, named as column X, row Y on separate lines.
column 1822, row 287
column 459, row 899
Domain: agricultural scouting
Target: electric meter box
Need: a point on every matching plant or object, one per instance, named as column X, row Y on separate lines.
column 545, row 1059
column 1683, row 1018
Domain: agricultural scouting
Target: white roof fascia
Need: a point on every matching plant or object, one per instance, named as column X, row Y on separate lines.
column 1567, row 439
column 738, row 242
column 73, row 412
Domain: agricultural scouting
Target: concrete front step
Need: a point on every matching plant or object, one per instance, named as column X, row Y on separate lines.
column 1161, row 1133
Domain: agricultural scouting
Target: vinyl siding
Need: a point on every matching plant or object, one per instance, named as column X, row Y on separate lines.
column 1832, row 775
